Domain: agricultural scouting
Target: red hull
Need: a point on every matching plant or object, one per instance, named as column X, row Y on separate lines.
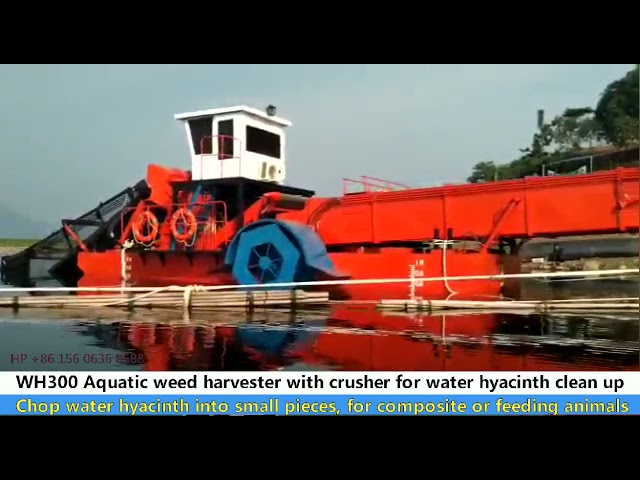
column 158, row 269
column 151, row 269
column 398, row 262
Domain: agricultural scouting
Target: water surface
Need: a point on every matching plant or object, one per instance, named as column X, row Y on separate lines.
column 343, row 338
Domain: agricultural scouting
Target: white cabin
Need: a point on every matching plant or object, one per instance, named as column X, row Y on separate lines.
column 236, row 142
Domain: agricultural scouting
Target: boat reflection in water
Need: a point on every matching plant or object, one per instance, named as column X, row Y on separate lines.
column 366, row 339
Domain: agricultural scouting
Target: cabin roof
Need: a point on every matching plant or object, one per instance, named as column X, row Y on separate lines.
column 237, row 109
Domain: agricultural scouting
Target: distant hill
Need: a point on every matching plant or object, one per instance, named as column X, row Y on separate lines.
column 14, row 225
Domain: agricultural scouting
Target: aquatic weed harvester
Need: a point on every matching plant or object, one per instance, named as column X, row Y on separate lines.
column 230, row 219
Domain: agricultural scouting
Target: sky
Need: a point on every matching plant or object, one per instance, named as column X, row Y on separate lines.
column 74, row 135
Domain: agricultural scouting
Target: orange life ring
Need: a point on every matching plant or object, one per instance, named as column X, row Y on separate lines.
column 187, row 220
column 148, row 219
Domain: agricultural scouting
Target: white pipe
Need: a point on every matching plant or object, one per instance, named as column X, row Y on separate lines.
column 366, row 281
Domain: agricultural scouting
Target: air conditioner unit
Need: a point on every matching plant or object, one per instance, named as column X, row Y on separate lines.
column 269, row 172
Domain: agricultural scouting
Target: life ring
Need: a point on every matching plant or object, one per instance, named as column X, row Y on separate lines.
column 187, row 220
column 148, row 219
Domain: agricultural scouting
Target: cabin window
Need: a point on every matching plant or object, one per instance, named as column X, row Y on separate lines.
column 201, row 131
column 225, row 139
column 263, row 142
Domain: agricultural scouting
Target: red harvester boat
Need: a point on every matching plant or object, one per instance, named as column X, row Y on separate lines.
column 230, row 219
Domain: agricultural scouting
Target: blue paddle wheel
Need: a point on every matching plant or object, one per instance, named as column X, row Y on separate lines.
column 274, row 251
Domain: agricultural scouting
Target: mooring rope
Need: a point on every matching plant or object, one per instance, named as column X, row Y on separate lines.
column 141, row 296
column 124, row 277
column 445, row 244
column 187, row 294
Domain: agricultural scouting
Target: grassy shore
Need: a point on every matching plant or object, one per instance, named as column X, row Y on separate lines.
column 15, row 242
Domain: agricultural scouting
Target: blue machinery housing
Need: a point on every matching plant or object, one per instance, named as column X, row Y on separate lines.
column 274, row 251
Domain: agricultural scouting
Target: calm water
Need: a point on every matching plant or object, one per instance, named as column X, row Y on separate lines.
column 343, row 338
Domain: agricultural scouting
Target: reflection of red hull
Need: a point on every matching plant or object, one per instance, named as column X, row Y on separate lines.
column 369, row 340
column 151, row 269
column 433, row 343
column 376, row 353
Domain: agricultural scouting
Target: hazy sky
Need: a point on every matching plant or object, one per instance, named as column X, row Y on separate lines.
column 76, row 134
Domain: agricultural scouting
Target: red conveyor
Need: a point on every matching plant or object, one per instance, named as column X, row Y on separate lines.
column 599, row 203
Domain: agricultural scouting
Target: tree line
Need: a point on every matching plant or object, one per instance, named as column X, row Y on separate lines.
column 576, row 132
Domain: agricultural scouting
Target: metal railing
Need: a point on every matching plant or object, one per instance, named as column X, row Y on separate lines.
column 366, row 184
column 207, row 153
column 592, row 163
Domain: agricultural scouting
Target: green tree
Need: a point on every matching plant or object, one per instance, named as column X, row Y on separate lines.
column 617, row 111
column 575, row 129
column 483, row 172
column 614, row 121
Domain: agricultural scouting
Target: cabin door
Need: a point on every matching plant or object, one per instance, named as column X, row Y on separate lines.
column 226, row 147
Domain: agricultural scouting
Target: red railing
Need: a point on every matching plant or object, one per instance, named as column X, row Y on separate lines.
column 222, row 141
column 370, row 184
column 210, row 218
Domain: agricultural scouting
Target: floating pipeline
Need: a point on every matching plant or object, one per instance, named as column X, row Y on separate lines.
column 578, row 249
column 276, row 251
